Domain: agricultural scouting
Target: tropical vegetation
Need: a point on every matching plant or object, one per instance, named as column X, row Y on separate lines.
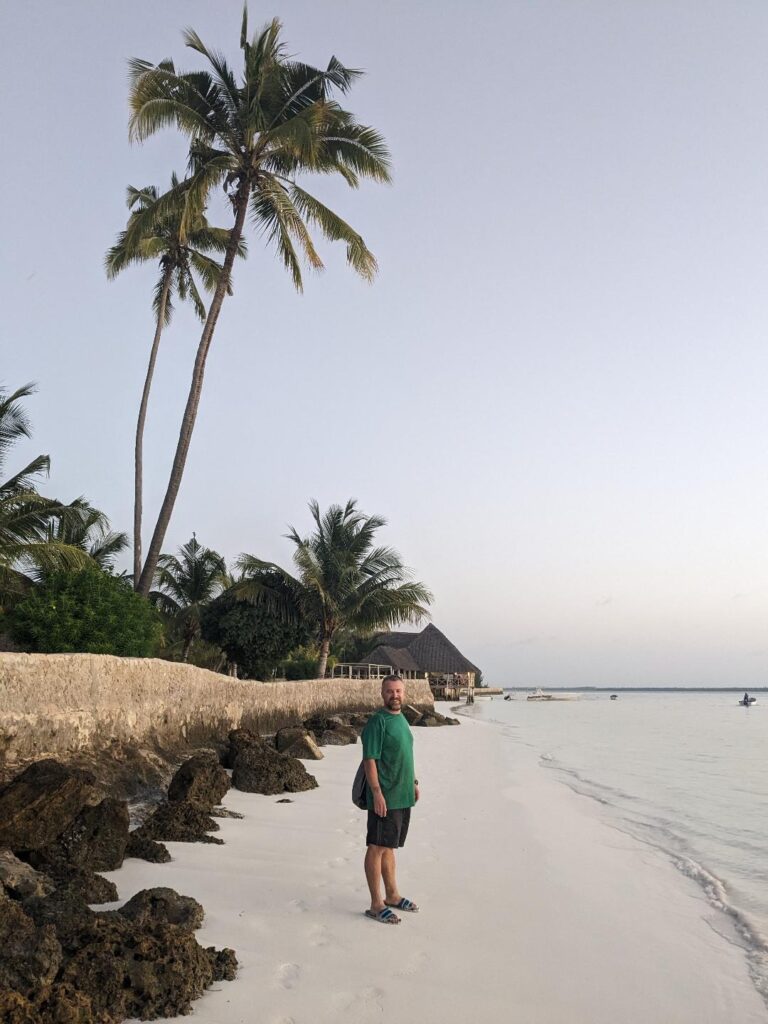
column 37, row 534
column 254, row 133
column 343, row 582
column 184, row 584
column 88, row 611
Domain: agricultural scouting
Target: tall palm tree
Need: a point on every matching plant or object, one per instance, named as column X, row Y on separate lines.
column 342, row 581
column 26, row 517
column 254, row 134
column 187, row 583
column 180, row 244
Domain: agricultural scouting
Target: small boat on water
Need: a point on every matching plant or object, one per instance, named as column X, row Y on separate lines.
column 748, row 702
column 614, row 696
column 540, row 695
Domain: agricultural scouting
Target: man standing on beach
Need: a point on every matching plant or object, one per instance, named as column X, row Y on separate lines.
column 392, row 792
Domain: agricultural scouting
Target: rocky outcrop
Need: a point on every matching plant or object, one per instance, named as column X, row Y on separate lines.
column 20, row 880
column 305, row 748
column 335, row 730
column 141, row 962
column 200, row 780
column 258, row 768
column 432, row 718
column 181, row 822
column 39, row 804
column 166, row 906
column 96, row 839
column 146, row 849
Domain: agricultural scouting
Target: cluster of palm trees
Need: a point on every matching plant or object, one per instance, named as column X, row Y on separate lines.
column 343, row 585
column 39, row 535
column 253, row 133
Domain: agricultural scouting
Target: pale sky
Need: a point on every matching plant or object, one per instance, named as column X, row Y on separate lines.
column 555, row 391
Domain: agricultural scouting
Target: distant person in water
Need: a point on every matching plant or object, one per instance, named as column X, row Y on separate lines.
column 392, row 792
column 746, row 697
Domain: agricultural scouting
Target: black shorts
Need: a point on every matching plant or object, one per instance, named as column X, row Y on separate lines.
column 390, row 831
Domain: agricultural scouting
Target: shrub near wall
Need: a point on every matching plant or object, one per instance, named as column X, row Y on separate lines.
column 87, row 612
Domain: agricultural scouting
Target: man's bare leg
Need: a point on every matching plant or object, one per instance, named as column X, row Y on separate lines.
column 391, row 894
column 373, row 857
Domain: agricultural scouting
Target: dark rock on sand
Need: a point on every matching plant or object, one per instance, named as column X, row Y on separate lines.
column 30, row 956
column 241, row 739
column 200, row 780
column 116, row 965
column 146, row 849
column 339, row 736
column 96, row 839
column 225, row 812
column 305, row 748
column 164, row 906
column 285, row 738
column 181, row 822
column 433, row 718
column 39, row 804
column 412, row 715
column 258, row 769
column 20, row 880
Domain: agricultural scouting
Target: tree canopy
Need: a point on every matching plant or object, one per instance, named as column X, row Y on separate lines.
column 343, row 581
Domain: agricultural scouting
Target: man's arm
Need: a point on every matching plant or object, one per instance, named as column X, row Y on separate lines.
column 372, row 778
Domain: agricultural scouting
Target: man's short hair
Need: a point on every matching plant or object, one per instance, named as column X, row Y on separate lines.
column 392, row 679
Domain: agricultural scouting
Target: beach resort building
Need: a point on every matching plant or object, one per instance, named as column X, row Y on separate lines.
column 425, row 655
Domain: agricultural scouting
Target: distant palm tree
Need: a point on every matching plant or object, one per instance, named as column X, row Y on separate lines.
column 187, row 583
column 180, row 243
column 88, row 529
column 26, row 517
column 253, row 135
column 342, row 582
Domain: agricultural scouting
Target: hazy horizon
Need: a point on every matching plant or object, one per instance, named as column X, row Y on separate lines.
column 555, row 389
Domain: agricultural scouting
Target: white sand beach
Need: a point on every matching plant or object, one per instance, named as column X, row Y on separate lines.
column 533, row 908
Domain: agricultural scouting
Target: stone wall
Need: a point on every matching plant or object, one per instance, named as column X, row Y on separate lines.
column 63, row 705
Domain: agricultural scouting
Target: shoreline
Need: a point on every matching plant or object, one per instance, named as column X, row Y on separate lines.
column 532, row 907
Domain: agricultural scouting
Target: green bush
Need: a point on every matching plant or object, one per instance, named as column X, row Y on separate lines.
column 253, row 637
column 88, row 612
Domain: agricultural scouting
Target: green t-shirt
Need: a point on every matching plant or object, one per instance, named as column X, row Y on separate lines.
column 387, row 738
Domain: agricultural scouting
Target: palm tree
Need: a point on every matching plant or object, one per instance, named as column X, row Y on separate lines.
column 253, row 135
column 26, row 517
column 187, row 583
column 88, row 529
column 181, row 246
column 342, row 582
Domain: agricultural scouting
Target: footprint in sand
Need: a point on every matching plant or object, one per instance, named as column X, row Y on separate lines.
column 288, row 975
column 319, row 935
column 363, row 1006
column 298, row 906
column 414, row 964
column 338, row 862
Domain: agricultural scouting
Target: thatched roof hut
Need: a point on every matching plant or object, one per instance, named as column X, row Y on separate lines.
column 429, row 653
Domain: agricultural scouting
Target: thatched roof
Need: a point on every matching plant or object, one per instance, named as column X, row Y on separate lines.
column 427, row 651
column 399, row 659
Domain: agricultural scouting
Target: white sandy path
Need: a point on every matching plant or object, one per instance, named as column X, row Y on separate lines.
column 533, row 909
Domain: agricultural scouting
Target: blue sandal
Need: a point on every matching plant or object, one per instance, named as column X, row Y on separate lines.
column 385, row 916
column 405, row 904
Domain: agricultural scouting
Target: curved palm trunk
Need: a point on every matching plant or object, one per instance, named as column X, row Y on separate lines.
column 138, row 474
column 193, row 399
column 322, row 664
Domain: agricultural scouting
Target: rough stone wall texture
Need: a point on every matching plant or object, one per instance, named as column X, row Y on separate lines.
column 62, row 705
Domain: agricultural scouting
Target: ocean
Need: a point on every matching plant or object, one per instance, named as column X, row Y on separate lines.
column 685, row 772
